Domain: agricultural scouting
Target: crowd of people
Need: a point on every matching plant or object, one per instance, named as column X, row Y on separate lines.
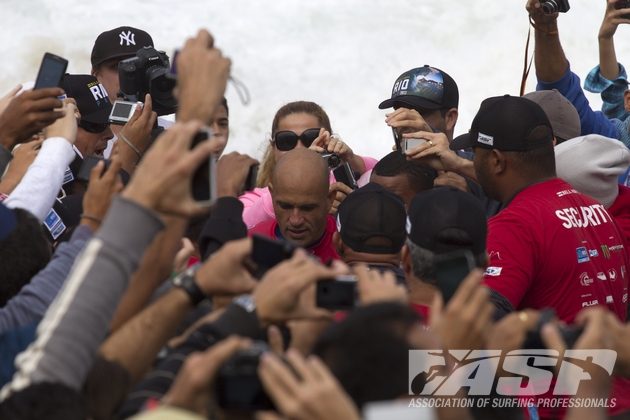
column 308, row 283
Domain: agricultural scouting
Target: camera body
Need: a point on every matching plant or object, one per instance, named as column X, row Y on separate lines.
column 238, row 386
column 337, row 294
column 332, row 159
column 550, row 7
column 122, row 111
column 148, row 72
column 410, row 144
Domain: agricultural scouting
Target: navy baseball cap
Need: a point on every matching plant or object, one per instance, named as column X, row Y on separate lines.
column 507, row 123
column 90, row 95
column 423, row 88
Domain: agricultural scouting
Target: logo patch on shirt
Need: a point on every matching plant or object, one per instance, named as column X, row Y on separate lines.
column 602, row 276
column 612, row 274
column 609, row 299
column 582, row 255
column 605, row 251
column 593, row 253
column 585, row 279
column 54, row 224
column 493, row 271
column 485, row 139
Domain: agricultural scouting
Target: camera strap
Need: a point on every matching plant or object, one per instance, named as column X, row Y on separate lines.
column 526, row 67
column 241, row 90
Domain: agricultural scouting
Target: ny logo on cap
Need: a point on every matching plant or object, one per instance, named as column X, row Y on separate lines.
column 128, row 37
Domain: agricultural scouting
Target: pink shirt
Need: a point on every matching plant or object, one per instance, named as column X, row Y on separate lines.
column 258, row 206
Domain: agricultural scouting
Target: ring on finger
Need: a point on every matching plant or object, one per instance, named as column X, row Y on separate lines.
column 431, row 143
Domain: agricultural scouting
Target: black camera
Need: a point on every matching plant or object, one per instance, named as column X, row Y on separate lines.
column 148, row 72
column 332, row 159
column 550, row 7
column 238, row 386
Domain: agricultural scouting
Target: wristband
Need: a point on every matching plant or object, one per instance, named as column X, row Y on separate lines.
column 128, row 143
column 92, row 218
column 186, row 282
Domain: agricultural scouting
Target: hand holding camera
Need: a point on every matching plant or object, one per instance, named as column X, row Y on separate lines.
column 135, row 136
column 617, row 13
column 545, row 12
column 236, row 173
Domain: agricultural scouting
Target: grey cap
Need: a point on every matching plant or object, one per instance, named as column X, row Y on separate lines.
column 564, row 118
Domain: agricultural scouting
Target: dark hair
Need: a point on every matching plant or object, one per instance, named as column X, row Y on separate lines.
column 22, row 254
column 420, row 175
column 225, row 104
column 536, row 163
column 300, row 107
column 51, row 401
column 370, row 363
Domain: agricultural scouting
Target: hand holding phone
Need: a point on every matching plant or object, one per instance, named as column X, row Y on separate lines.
column 51, row 71
column 204, row 180
column 410, row 144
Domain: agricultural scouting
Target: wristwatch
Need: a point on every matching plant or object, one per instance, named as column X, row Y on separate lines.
column 186, row 282
column 246, row 302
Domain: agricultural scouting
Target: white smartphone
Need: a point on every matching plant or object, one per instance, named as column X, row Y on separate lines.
column 122, row 111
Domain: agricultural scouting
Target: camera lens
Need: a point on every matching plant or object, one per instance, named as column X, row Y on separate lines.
column 550, row 7
column 333, row 161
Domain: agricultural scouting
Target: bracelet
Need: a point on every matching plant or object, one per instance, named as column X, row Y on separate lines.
column 538, row 28
column 92, row 218
column 128, row 143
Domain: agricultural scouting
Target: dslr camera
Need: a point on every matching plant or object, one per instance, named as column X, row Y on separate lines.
column 238, row 386
column 550, row 7
column 332, row 159
column 148, row 72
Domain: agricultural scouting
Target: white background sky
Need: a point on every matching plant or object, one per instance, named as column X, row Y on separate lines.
column 343, row 54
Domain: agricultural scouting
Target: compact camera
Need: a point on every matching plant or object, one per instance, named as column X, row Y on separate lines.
column 148, row 72
column 122, row 111
column 332, row 159
column 550, row 7
column 337, row 294
column 409, row 144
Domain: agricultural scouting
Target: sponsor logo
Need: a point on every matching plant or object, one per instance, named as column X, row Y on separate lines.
column 593, row 253
column 515, row 373
column 590, row 303
column 485, row 139
column 612, row 274
column 605, row 251
column 493, row 254
column 582, row 255
column 602, row 276
column 616, row 248
column 566, row 192
column 585, row 280
column 624, row 298
column 609, row 299
column 493, row 271
column 582, row 217
column 623, row 271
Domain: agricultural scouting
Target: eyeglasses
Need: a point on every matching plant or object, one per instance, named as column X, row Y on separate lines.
column 93, row 127
column 287, row 140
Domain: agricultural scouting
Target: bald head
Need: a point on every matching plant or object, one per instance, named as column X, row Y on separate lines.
column 301, row 196
column 301, row 169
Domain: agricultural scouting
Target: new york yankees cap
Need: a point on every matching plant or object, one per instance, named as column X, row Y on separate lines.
column 90, row 95
column 423, row 88
column 121, row 42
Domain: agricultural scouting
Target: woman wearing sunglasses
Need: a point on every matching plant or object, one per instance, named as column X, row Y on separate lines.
column 296, row 124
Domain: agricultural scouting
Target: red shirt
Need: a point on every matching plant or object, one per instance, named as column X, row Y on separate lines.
column 554, row 247
column 620, row 211
column 324, row 249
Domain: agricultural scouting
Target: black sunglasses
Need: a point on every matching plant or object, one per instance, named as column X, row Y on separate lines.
column 287, row 140
column 93, row 127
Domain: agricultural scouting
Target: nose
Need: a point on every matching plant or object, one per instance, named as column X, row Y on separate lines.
column 296, row 218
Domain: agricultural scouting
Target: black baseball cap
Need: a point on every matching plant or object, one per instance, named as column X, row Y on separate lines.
column 435, row 213
column 90, row 95
column 370, row 212
column 508, row 123
column 121, row 42
column 423, row 88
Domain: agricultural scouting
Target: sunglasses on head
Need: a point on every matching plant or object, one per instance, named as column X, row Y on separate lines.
column 287, row 140
column 93, row 127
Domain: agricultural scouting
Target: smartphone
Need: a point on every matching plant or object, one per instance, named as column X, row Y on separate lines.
column 409, row 144
column 343, row 173
column 338, row 294
column 252, row 177
column 204, row 180
column 88, row 163
column 51, row 71
column 623, row 4
column 122, row 111
column 450, row 271
column 267, row 253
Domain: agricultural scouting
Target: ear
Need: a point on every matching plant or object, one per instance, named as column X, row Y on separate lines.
column 338, row 243
column 94, row 72
column 450, row 118
column 626, row 100
column 497, row 162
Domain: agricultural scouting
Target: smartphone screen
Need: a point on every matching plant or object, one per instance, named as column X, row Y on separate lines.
column 51, row 71
column 450, row 271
